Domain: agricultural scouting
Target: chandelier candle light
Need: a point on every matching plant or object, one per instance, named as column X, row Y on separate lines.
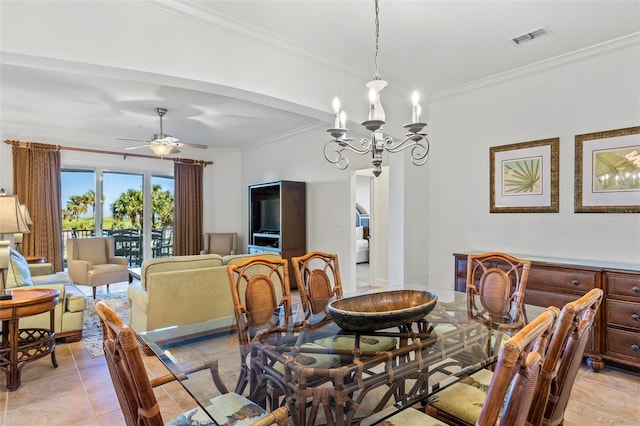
column 415, row 138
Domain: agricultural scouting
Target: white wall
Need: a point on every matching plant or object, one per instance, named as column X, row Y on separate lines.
column 329, row 196
column 592, row 91
column 363, row 192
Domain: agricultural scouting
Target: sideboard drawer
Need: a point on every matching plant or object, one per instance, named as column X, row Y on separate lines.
column 562, row 279
column 623, row 285
column 623, row 343
column 624, row 314
column 546, row 299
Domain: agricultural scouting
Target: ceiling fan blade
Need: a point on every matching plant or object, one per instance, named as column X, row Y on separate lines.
column 166, row 139
column 174, row 150
column 136, row 147
column 191, row 145
column 135, row 140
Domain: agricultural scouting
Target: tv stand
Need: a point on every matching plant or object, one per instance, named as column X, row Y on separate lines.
column 277, row 219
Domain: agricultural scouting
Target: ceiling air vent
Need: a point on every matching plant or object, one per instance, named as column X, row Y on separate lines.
column 528, row 36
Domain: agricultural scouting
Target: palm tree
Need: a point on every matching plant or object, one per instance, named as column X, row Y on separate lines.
column 129, row 205
column 161, row 207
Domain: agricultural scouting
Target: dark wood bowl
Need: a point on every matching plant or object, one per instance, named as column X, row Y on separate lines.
column 377, row 311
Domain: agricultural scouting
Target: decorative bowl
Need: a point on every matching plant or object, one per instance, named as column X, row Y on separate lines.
column 377, row 311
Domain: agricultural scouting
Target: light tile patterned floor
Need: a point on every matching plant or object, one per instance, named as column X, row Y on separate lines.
column 79, row 392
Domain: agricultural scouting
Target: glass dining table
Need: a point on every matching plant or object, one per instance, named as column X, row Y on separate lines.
column 361, row 383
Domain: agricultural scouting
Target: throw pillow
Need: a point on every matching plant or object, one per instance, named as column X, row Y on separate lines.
column 19, row 271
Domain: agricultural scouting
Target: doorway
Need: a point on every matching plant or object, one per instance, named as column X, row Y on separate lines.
column 371, row 229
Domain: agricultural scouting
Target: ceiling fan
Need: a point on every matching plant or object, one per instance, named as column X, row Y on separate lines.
column 162, row 144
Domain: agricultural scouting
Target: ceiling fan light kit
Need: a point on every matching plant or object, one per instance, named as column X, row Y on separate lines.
column 162, row 144
column 162, row 150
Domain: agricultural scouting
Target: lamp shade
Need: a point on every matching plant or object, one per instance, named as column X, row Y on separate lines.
column 11, row 220
column 25, row 214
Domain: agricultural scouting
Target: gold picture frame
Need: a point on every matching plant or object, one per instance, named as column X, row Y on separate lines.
column 524, row 177
column 607, row 171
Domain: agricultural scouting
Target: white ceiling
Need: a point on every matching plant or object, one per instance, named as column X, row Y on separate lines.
column 436, row 45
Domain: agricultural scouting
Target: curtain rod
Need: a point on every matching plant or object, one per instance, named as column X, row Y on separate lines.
column 20, row 144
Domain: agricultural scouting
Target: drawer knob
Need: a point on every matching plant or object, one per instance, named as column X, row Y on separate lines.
column 635, row 289
column 635, row 317
column 635, row 347
column 575, row 282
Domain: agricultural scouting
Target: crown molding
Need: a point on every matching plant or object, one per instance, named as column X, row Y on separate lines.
column 597, row 49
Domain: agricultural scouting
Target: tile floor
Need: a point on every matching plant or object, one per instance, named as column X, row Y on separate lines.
column 79, row 392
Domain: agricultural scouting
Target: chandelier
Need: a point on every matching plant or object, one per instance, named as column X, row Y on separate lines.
column 377, row 143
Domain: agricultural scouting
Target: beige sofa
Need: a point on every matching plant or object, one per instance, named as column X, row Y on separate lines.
column 182, row 290
column 68, row 314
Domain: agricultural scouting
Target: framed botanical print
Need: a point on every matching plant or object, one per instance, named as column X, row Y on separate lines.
column 607, row 171
column 524, row 177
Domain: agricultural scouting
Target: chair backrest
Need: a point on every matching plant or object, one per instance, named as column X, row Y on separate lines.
column 253, row 290
column 318, row 277
column 563, row 358
column 222, row 243
column 501, row 284
column 256, row 303
column 128, row 374
column 97, row 250
column 511, row 390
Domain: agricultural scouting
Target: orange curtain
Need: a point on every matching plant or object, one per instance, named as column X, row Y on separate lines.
column 36, row 181
column 187, row 211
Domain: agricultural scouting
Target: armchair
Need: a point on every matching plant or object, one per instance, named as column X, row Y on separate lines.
column 91, row 262
column 223, row 244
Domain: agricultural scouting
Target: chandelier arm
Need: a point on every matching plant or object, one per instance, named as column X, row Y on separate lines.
column 365, row 146
column 338, row 159
column 419, row 150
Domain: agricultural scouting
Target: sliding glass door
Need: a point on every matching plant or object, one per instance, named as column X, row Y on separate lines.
column 136, row 209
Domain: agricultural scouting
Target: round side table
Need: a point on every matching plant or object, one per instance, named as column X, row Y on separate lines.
column 21, row 346
column 34, row 259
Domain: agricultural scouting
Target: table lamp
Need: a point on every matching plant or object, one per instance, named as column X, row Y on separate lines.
column 11, row 222
column 17, row 237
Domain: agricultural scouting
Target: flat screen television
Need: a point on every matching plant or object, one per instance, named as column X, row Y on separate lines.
column 270, row 215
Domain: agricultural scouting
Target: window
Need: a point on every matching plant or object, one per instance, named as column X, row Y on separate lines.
column 118, row 207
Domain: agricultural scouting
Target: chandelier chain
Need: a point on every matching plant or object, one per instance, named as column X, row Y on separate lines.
column 377, row 63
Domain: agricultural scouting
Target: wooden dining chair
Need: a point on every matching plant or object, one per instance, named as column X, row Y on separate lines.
column 496, row 285
column 563, row 358
column 507, row 391
column 317, row 276
column 261, row 297
column 259, row 288
column 135, row 392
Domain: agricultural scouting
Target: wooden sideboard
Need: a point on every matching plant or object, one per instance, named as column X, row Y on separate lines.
column 553, row 281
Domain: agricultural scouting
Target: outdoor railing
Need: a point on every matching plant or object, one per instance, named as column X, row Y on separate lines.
column 128, row 242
